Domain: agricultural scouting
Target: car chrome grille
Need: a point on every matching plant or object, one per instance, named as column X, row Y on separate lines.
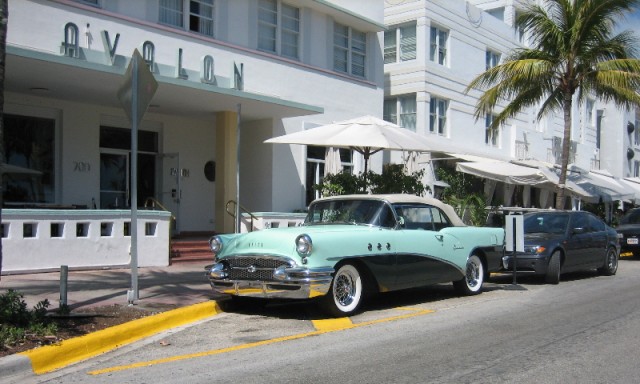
column 255, row 268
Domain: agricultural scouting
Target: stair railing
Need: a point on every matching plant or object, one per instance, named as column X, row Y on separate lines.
column 152, row 202
column 232, row 213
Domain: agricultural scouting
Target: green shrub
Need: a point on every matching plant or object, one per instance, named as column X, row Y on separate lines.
column 16, row 321
column 392, row 180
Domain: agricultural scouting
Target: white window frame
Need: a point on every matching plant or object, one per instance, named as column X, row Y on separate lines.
column 349, row 50
column 400, row 43
column 491, row 137
column 284, row 28
column 318, row 169
column 438, row 109
column 438, row 39
column 180, row 10
column 492, row 58
column 401, row 110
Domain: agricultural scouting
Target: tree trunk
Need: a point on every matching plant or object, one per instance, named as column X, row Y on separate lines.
column 566, row 148
column 4, row 17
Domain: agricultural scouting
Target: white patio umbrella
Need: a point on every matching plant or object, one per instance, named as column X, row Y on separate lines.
column 366, row 135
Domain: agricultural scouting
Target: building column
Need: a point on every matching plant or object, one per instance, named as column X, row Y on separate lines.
column 226, row 168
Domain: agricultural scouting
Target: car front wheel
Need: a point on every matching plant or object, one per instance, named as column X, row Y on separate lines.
column 345, row 295
column 471, row 283
column 610, row 266
column 553, row 269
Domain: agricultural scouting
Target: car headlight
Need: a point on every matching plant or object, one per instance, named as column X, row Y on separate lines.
column 535, row 249
column 304, row 245
column 215, row 243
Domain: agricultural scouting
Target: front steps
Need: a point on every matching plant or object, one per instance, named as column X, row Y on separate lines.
column 191, row 248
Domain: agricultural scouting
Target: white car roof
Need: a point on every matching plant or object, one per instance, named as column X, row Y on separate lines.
column 405, row 198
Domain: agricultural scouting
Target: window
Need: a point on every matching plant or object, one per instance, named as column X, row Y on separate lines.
column 490, row 135
column 315, row 168
column 29, row 147
column 349, row 50
column 171, row 12
column 438, row 115
column 402, row 111
column 278, row 28
column 636, row 168
column 421, row 217
column 492, row 59
column 200, row 15
column 438, row 51
column 403, row 37
column 519, row 30
column 636, row 133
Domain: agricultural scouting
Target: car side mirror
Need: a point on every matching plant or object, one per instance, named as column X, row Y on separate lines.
column 401, row 221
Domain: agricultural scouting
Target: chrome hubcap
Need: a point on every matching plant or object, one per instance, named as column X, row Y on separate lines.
column 344, row 289
column 473, row 274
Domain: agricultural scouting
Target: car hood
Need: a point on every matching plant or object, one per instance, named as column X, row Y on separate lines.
column 281, row 241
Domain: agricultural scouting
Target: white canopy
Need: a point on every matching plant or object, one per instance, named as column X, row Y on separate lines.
column 366, row 135
column 504, row 172
column 604, row 185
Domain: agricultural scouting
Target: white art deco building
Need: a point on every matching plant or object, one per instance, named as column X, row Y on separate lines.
column 434, row 48
column 230, row 74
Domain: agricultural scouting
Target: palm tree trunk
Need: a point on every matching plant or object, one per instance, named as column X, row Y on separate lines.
column 4, row 17
column 566, row 146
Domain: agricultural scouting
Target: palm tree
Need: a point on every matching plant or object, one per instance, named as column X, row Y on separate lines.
column 573, row 54
column 4, row 17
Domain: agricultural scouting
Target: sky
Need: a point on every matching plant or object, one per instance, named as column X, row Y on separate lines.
column 631, row 22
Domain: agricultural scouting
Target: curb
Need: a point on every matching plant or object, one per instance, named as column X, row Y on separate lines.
column 51, row 357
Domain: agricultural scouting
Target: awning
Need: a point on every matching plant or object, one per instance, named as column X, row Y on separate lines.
column 633, row 184
column 604, row 185
column 504, row 172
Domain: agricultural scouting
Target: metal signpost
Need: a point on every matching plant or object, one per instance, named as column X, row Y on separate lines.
column 135, row 94
column 514, row 236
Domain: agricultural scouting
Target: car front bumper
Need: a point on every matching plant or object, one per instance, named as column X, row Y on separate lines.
column 286, row 283
column 536, row 264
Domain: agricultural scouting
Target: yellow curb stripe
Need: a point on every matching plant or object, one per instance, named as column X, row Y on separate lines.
column 326, row 326
column 51, row 357
column 332, row 324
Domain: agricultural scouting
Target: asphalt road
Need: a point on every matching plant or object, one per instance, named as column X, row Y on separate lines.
column 584, row 330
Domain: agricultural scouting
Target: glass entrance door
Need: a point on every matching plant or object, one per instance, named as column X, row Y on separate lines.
column 114, row 180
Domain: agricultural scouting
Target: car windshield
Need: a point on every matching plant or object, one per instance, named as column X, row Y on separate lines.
column 546, row 223
column 365, row 212
column 633, row 217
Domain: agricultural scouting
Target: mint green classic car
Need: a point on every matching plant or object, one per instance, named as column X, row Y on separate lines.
column 355, row 245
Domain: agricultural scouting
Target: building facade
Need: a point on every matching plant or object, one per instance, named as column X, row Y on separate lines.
column 434, row 48
column 230, row 75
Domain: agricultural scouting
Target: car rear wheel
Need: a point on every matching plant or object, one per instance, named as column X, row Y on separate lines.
column 553, row 269
column 610, row 266
column 345, row 295
column 471, row 283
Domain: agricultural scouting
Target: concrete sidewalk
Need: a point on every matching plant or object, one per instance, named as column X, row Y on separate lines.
column 181, row 291
column 159, row 287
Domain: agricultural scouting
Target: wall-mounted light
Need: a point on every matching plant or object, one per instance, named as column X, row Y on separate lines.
column 630, row 127
column 630, row 153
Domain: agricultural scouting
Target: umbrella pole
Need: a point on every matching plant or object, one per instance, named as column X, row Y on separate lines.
column 366, row 163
